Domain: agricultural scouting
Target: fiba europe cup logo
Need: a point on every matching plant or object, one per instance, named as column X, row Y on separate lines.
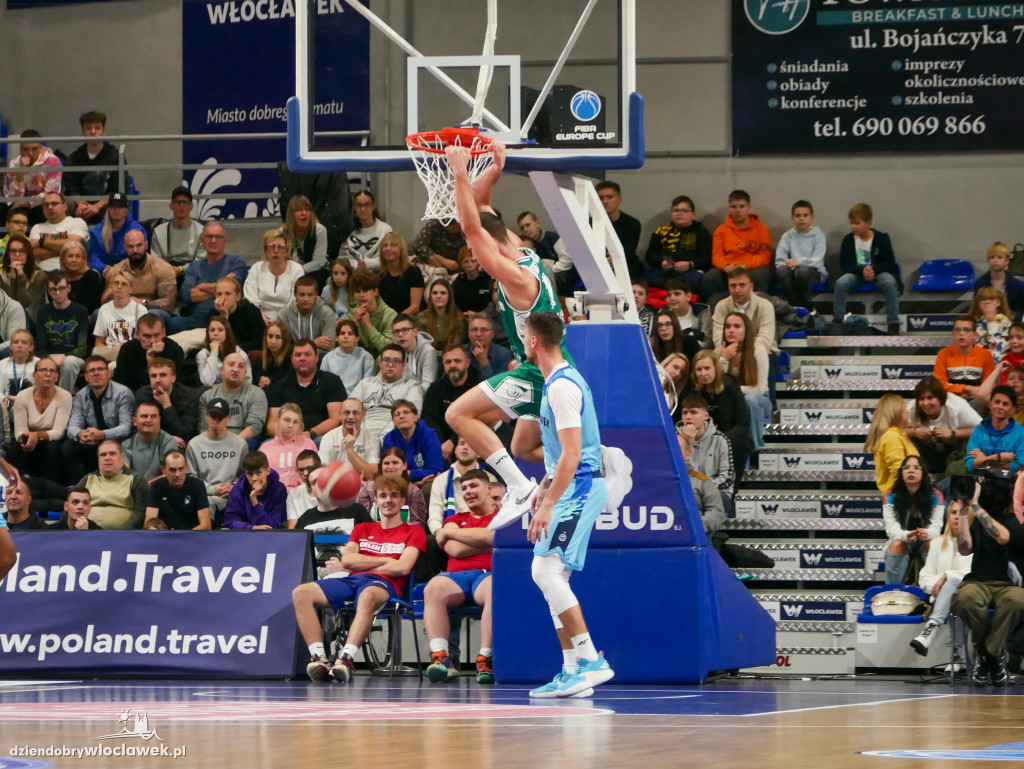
column 585, row 106
column 776, row 17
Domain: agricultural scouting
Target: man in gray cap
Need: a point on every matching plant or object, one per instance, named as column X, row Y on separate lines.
column 215, row 456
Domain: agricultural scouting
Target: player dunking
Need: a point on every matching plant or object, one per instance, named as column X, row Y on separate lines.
column 565, row 508
column 523, row 288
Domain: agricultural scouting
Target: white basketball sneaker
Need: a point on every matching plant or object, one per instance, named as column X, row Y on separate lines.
column 514, row 505
column 618, row 476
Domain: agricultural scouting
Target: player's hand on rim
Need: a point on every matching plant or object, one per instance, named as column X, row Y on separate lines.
column 458, row 158
column 498, row 154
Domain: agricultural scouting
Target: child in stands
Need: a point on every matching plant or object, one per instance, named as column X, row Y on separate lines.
column 800, row 257
column 640, row 287
column 998, row 276
column 888, row 441
column 992, row 320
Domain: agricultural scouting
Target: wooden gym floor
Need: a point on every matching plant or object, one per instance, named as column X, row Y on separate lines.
column 376, row 723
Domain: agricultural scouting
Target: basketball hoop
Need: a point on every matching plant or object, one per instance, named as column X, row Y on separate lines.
column 427, row 150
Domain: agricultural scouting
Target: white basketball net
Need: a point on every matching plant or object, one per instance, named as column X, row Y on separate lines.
column 433, row 169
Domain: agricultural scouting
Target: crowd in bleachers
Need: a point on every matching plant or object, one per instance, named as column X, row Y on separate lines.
column 149, row 365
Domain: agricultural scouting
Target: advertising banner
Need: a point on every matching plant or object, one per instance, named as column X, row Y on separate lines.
column 173, row 603
column 238, row 71
column 831, row 76
column 13, row 5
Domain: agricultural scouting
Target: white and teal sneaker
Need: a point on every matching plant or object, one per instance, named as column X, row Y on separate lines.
column 596, row 672
column 563, row 685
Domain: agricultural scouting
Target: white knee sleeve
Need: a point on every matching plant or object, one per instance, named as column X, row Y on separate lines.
column 552, row 577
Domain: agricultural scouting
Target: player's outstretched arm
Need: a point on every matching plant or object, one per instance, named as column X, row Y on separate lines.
column 505, row 271
column 483, row 187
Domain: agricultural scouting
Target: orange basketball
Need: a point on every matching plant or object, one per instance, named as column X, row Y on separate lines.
column 337, row 485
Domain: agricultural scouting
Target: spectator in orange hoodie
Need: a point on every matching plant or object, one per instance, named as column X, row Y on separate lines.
column 963, row 366
column 742, row 240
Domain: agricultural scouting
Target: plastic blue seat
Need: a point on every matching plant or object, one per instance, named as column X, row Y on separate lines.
column 891, row 619
column 945, row 275
column 783, row 373
column 798, row 333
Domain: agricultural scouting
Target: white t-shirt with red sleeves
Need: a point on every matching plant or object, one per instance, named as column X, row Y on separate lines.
column 472, row 562
column 374, row 540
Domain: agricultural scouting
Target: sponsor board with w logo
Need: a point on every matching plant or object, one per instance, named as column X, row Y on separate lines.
column 831, row 559
column 777, row 508
column 808, row 415
column 852, row 509
column 907, row 371
column 822, row 611
column 930, row 322
column 858, row 461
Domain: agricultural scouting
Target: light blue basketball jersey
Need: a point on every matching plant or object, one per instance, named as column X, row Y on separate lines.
column 590, row 458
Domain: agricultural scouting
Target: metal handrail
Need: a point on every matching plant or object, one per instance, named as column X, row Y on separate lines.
column 124, row 168
column 12, row 139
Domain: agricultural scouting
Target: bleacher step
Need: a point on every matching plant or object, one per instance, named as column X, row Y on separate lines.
column 876, row 368
column 914, row 342
column 826, row 412
column 816, row 429
column 802, row 524
column 810, row 575
column 848, row 385
column 809, row 661
column 815, row 476
column 810, row 505
column 818, row 554
column 811, row 605
column 814, row 458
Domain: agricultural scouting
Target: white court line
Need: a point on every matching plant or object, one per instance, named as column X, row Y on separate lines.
column 427, row 697
column 850, row 705
column 37, row 683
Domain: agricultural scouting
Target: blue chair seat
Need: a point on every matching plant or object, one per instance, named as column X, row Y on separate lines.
column 891, row 619
column 783, row 372
column 945, row 275
column 798, row 333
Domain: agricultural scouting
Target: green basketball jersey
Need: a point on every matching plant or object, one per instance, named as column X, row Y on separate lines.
column 547, row 301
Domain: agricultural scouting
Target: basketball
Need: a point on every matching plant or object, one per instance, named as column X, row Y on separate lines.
column 337, row 485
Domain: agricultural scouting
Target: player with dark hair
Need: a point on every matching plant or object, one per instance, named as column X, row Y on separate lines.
column 565, row 508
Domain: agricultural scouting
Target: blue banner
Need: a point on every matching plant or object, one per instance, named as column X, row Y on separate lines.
column 169, row 603
column 831, row 76
column 238, row 72
column 14, row 5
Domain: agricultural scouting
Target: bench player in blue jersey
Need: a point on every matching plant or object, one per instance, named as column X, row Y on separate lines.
column 567, row 504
